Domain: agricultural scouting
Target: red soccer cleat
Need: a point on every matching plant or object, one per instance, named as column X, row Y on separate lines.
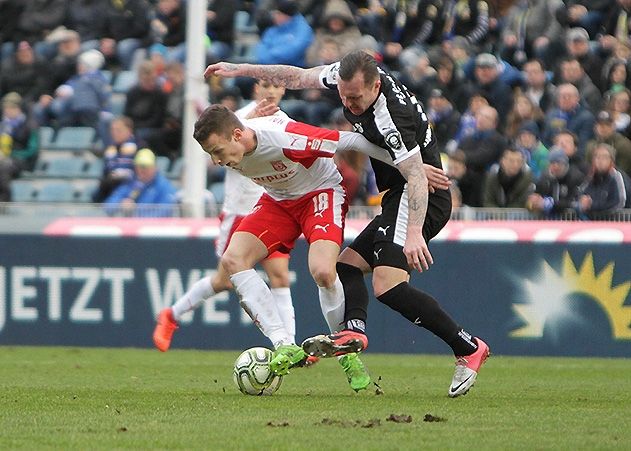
column 163, row 333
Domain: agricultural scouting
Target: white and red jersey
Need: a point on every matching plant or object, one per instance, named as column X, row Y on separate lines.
column 291, row 159
column 241, row 193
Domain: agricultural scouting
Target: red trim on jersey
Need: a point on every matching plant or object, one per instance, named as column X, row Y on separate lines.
column 314, row 135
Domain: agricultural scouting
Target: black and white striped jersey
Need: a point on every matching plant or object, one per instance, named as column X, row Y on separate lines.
column 396, row 121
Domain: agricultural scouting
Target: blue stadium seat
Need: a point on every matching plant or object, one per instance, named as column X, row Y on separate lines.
column 56, row 191
column 243, row 23
column 123, row 81
column 94, row 169
column 23, row 190
column 74, row 138
column 60, row 167
column 218, row 191
column 163, row 164
column 117, row 103
column 176, row 169
column 46, row 137
column 83, row 189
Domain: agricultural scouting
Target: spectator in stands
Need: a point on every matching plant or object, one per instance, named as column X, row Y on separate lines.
column 571, row 115
column 118, row 158
column 18, row 143
column 509, row 183
column 557, row 190
column 86, row 17
column 451, row 82
column 9, row 15
column 416, row 70
column 468, row 19
column 167, row 141
column 467, row 125
column 588, row 14
column 615, row 26
column 287, row 41
column 37, row 19
column 125, row 29
column 524, row 110
column 24, row 73
column 618, row 106
column 467, row 184
column 338, row 25
column 578, row 47
column 147, row 193
column 443, row 116
column 531, row 30
column 64, row 66
column 487, row 81
column 220, row 29
column 146, row 104
column 604, row 191
column 572, row 72
column 168, row 27
column 568, row 143
column 82, row 99
column 605, row 133
column 484, row 147
column 615, row 76
column 536, row 85
column 535, row 153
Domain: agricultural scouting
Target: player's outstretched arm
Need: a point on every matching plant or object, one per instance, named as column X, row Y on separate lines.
column 415, row 248
column 290, row 77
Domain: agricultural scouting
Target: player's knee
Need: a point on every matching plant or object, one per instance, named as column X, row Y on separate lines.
column 381, row 285
column 324, row 276
column 278, row 279
column 233, row 263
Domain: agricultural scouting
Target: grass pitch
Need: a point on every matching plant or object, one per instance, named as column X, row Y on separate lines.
column 83, row 398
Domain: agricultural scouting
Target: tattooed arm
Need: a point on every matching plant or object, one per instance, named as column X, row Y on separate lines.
column 291, row 77
column 415, row 248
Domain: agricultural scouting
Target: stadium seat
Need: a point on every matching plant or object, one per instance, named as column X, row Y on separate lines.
column 108, row 75
column 46, row 137
column 117, row 103
column 74, row 138
column 176, row 169
column 218, row 191
column 94, row 169
column 243, row 51
column 243, row 23
column 123, row 81
column 60, row 167
column 56, row 191
column 163, row 164
column 83, row 189
column 23, row 190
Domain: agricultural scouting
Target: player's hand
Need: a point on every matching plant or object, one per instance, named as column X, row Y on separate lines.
column 416, row 251
column 263, row 108
column 223, row 69
column 436, row 178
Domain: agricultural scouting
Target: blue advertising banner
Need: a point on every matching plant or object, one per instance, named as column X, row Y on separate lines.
column 523, row 298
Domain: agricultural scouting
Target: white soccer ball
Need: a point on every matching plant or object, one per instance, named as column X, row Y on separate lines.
column 252, row 374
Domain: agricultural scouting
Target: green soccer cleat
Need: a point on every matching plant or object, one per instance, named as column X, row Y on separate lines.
column 286, row 357
column 355, row 370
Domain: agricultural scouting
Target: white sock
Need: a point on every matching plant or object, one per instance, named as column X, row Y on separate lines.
column 332, row 304
column 282, row 298
column 193, row 298
column 257, row 300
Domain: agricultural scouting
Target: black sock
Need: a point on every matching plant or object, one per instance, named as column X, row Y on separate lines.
column 423, row 310
column 355, row 296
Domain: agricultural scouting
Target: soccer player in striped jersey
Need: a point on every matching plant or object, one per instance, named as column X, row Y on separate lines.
column 413, row 211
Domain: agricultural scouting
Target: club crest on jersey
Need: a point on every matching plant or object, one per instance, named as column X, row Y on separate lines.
column 278, row 166
column 394, row 140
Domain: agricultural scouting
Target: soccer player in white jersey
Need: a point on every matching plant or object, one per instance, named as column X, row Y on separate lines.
column 293, row 161
column 241, row 196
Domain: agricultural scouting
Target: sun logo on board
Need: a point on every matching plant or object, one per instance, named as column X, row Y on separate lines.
column 547, row 297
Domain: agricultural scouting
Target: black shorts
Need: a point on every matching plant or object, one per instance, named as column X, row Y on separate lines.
column 381, row 242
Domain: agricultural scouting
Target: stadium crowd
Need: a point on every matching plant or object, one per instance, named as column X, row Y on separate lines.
column 530, row 99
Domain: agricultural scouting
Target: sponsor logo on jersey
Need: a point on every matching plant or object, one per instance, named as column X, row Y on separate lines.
column 358, row 127
column 279, row 166
column 394, row 140
column 314, row 144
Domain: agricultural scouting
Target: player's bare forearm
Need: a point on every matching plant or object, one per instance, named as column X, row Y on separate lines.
column 290, row 77
column 414, row 172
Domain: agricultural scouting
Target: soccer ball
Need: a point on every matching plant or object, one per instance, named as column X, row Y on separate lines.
column 252, row 374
